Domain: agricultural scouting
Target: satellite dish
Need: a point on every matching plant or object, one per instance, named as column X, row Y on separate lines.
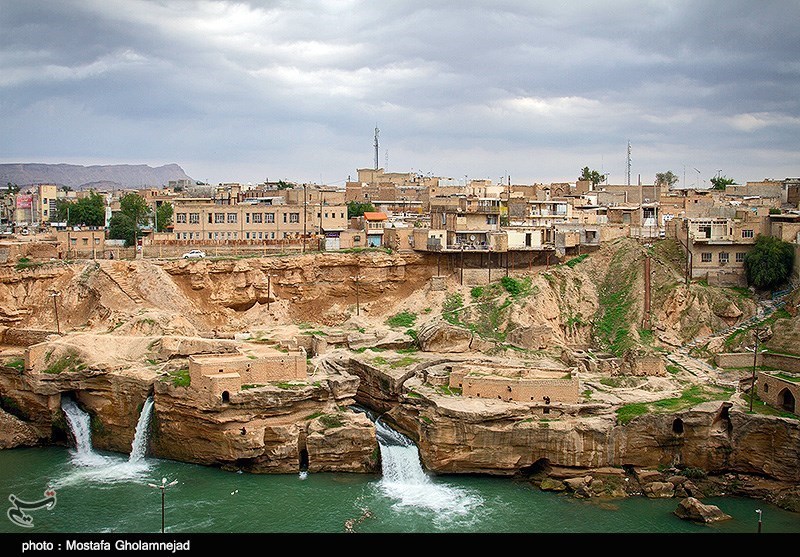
column 472, row 237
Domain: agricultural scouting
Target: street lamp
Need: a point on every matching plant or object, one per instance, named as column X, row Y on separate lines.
column 759, row 520
column 163, row 487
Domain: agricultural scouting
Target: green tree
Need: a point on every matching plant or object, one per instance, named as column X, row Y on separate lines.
column 769, row 263
column 121, row 227
column 163, row 216
column 720, row 182
column 667, row 179
column 592, row 176
column 86, row 211
column 356, row 209
column 133, row 213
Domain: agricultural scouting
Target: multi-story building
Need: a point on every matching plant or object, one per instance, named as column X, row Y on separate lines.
column 718, row 246
column 257, row 219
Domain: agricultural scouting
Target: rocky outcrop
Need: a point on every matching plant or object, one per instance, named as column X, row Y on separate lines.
column 267, row 429
column 692, row 509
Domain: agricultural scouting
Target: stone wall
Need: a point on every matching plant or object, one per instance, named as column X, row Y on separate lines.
column 216, row 373
column 737, row 359
column 782, row 361
column 23, row 337
column 519, row 390
column 777, row 392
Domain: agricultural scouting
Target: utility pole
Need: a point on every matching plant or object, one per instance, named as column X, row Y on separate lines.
column 358, row 278
column 757, row 331
column 55, row 294
column 305, row 217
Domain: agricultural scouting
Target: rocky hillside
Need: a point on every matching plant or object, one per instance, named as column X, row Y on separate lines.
column 592, row 301
column 78, row 176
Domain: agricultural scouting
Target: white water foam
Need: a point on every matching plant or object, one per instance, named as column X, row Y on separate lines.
column 139, row 445
column 91, row 467
column 405, row 481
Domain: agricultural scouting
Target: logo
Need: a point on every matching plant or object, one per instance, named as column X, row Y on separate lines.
column 16, row 513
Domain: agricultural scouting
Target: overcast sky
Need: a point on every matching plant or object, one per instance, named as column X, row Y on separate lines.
column 293, row 90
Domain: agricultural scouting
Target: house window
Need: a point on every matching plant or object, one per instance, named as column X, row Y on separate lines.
column 258, row 218
column 294, row 217
column 740, row 257
column 180, row 218
column 232, row 218
column 247, row 218
column 219, row 218
column 491, row 219
column 85, row 241
column 194, row 218
column 705, row 257
column 269, row 217
column 747, row 233
column 723, row 257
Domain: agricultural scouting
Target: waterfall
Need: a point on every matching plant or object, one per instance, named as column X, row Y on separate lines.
column 405, row 481
column 139, row 445
column 80, row 426
column 94, row 468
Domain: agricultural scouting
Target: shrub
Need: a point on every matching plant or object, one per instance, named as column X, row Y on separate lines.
column 330, row 420
column 402, row 319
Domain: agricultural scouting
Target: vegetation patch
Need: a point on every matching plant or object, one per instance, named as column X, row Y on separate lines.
column 448, row 390
column 402, row 319
column 403, row 362
column 517, row 287
column 70, row 361
column 690, row 397
column 180, row 377
column 252, row 386
column 289, row 386
column 313, row 416
column 330, row 421
column 612, row 320
column 18, row 364
column 575, row 260
column 450, row 307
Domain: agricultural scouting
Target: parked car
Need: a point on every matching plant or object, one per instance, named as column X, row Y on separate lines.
column 194, row 254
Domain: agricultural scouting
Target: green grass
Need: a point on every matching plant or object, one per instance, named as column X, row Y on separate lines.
column 67, row 362
column 690, row 397
column 403, row 362
column 402, row 319
column 673, row 369
column 737, row 337
column 180, row 377
column 18, row 364
column 476, row 292
column 516, row 287
column 24, row 263
column 785, row 377
column 313, row 416
column 450, row 306
column 448, row 390
column 612, row 320
column 379, row 360
column 574, row 261
column 330, row 421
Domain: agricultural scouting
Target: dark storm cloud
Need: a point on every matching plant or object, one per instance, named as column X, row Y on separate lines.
column 242, row 90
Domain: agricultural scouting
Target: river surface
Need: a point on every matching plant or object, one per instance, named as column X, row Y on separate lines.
column 114, row 493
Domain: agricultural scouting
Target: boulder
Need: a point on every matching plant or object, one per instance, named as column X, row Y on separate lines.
column 659, row 490
column 692, row 509
column 551, row 484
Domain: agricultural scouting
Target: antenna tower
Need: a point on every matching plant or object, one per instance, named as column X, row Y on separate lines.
column 376, row 147
column 628, row 171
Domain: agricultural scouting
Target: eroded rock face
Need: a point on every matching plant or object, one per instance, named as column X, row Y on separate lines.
column 267, row 429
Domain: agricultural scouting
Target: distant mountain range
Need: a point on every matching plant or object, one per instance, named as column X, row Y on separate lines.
column 127, row 176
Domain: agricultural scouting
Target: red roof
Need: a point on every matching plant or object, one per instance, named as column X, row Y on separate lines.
column 368, row 215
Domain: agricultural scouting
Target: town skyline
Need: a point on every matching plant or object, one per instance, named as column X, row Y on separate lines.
column 254, row 91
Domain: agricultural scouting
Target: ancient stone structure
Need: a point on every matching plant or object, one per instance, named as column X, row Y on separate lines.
column 779, row 390
column 520, row 385
column 219, row 375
